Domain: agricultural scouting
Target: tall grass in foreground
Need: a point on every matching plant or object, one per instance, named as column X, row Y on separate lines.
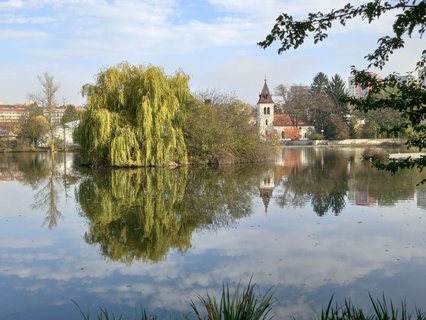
column 381, row 310
column 105, row 315
column 249, row 304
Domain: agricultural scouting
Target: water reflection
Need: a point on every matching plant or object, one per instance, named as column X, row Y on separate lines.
column 141, row 214
column 177, row 202
column 324, row 177
column 47, row 174
column 156, row 238
column 29, row 168
column 322, row 180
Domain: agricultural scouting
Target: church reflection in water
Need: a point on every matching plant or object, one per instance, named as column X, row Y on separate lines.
column 266, row 187
column 330, row 178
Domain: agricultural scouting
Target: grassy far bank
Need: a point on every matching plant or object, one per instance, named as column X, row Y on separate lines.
column 250, row 304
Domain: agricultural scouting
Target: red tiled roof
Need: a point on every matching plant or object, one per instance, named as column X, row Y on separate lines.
column 13, row 109
column 283, row 120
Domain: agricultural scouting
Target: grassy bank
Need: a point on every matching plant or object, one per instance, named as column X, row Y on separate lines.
column 250, row 304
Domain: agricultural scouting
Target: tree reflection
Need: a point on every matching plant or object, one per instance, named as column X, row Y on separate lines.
column 40, row 171
column 144, row 213
column 322, row 180
column 29, row 168
column 47, row 197
column 382, row 188
column 132, row 212
column 328, row 178
column 218, row 197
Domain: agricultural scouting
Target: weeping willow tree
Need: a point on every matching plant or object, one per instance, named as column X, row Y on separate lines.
column 133, row 213
column 134, row 117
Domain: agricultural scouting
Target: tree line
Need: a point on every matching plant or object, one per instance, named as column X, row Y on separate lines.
column 322, row 105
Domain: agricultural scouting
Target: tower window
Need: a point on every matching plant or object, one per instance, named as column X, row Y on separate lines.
column 264, row 110
column 268, row 111
column 266, row 121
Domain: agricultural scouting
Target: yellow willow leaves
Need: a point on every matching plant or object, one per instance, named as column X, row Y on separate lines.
column 125, row 149
column 133, row 117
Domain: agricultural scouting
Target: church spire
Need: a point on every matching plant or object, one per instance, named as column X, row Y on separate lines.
column 265, row 96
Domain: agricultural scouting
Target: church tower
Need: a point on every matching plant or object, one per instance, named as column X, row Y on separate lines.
column 265, row 111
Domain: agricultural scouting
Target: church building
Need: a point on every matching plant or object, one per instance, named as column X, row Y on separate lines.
column 280, row 125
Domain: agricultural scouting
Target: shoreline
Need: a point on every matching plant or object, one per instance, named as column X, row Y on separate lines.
column 343, row 143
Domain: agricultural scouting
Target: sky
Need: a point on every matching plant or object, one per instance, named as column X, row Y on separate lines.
column 213, row 41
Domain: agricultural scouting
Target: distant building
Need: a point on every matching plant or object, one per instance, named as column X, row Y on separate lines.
column 66, row 135
column 11, row 114
column 405, row 79
column 355, row 90
column 280, row 125
column 284, row 127
column 6, row 134
column 265, row 112
column 56, row 114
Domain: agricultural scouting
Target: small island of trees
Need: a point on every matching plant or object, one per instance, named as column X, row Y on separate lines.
column 139, row 116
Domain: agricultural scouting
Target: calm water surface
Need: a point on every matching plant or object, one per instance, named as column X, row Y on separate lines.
column 317, row 222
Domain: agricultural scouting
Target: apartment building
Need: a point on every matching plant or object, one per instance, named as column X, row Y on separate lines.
column 11, row 114
column 355, row 90
column 56, row 114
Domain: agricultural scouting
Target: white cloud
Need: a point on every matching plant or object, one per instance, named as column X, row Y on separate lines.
column 10, row 5
column 89, row 34
column 11, row 34
column 19, row 258
column 16, row 19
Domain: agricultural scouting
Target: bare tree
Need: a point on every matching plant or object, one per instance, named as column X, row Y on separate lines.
column 295, row 101
column 282, row 93
column 46, row 98
column 217, row 97
column 47, row 198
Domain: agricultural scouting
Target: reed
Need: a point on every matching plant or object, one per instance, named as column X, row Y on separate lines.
column 104, row 314
column 382, row 309
column 246, row 305
column 249, row 304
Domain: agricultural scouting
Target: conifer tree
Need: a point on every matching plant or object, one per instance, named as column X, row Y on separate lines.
column 320, row 83
column 337, row 90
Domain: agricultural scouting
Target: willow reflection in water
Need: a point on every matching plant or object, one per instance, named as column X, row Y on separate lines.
column 144, row 213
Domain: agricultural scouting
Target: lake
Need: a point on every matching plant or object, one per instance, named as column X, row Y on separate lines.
column 317, row 222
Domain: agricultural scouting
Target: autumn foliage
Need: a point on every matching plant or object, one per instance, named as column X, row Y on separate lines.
column 291, row 133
